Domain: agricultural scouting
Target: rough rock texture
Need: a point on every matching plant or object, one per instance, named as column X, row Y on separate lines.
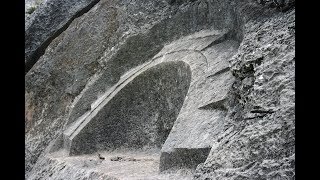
column 134, row 117
column 55, row 169
column 31, row 6
column 208, row 84
column 259, row 142
column 70, row 60
column 47, row 22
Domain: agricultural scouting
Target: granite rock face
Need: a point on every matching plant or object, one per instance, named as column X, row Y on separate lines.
column 47, row 22
column 204, row 88
column 259, row 141
column 31, row 6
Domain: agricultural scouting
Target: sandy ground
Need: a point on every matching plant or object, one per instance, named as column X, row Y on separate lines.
column 133, row 165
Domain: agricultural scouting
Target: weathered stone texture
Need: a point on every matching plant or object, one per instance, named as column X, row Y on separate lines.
column 203, row 78
column 68, row 63
column 259, row 143
column 136, row 117
column 47, row 22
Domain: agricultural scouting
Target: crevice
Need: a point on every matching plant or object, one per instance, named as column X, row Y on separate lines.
column 226, row 36
column 262, row 111
column 258, row 114
column 34, row 57
column 220, row 104
column 226, row 69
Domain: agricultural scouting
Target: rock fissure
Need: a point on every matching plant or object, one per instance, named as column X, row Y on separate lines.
column 35, row 53
column 226, row 69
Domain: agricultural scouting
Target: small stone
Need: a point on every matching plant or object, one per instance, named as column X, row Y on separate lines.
column 117, row 158
column 100, row 157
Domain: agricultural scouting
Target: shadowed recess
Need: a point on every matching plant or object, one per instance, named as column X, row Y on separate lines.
column 141, row 115
column 183, row 158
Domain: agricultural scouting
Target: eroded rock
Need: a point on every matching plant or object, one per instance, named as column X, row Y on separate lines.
column 208, row 85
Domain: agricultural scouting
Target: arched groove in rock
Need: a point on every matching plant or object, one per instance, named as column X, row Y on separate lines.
column 82, row 105
column 142, row 47
column 141, row 115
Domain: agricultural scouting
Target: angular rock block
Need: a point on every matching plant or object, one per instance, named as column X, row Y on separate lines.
column 183, row 158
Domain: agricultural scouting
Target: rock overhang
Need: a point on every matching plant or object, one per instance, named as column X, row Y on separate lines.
column 126, row 117
column 143, row 105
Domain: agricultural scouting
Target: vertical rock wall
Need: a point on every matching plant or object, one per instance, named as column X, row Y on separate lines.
column 259, row 137
column 255, row 137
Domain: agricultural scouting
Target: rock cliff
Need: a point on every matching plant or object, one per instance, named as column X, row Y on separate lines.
column 165, row 89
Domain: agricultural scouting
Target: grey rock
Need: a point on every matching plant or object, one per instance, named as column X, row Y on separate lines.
column 47, row 22
column 63, row 71
column 264, row 125
column 208, row 85
column 151, row 116
column 31, row 6
column 54, row 169
column 117, row 158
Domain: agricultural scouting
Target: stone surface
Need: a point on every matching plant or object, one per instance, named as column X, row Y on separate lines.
column 132, row 117
column 260, row 143
column 31, row 6
column 207, row 85
column 63, row 71
column 90, row 167
column 46, row 22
